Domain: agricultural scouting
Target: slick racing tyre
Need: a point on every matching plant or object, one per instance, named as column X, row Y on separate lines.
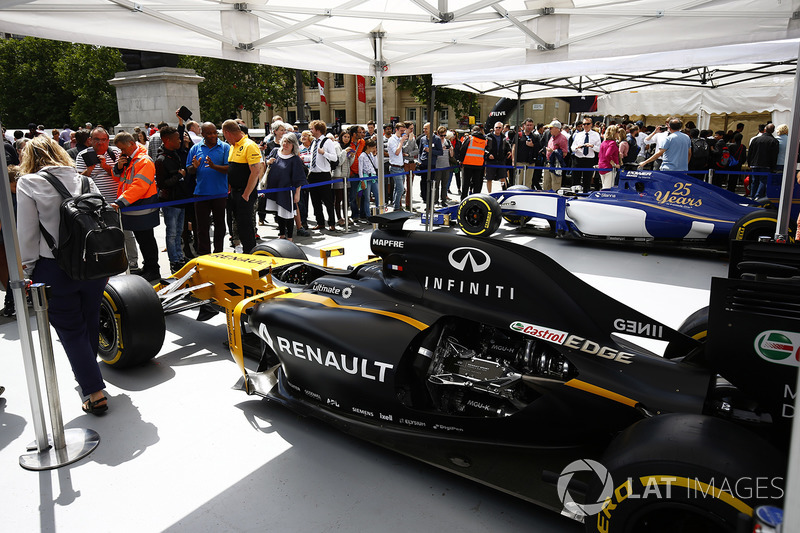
column 479, row 215
column 279, row 248
column 517, row 220
column 132, row 323
column 761, row 223
column 687, row 473
column 695, row 326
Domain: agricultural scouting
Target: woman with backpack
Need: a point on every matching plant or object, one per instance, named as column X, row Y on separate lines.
column 74, row 306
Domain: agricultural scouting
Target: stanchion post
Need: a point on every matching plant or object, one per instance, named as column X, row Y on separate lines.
column 67, row 446
column 17, row 284
column 39, row 299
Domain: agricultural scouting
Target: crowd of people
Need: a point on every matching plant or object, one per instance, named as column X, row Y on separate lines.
column 215, row 181
column 201, row 185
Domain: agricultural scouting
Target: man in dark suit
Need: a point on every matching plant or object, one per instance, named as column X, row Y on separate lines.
column 762, row 156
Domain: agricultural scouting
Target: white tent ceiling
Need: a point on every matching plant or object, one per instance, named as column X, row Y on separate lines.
column 420, row 36
column 712, row 67
column 750, row 97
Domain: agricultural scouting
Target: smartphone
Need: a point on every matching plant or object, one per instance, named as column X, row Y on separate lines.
column 184, row 113
column 90, row 157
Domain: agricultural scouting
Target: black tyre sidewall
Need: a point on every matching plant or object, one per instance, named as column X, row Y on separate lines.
column 489, row 215
column 695, row 326
column 279, row 248
column 691, row 449
column 752, row 225
column 137, row 320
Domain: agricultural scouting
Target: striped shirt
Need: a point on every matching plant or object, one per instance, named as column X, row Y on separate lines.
column 107, row 184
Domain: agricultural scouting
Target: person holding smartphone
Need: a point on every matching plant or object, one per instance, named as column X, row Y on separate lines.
column 97, row 162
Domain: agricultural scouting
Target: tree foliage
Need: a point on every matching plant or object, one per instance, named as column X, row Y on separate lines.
column 84, row 71
column 463, row 103
column 29, row 87
column 231, row 86
column 53, row 82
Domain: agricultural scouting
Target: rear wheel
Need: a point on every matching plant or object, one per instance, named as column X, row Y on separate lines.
column 479, row 215
column 279, row 248
column 132, row 325
column 761, row 223
column 688, row 473
column 695, row 326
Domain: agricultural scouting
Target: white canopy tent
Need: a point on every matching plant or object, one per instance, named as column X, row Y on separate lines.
column 377, row 37
column 419, row 36
column 713, row 67
column 773, row 95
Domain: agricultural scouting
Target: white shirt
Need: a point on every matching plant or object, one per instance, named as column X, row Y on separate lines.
column 38, row 201
column 395, row 159
column 579, row 139
column 322, row 161
column 640, row 139
column 659, row 139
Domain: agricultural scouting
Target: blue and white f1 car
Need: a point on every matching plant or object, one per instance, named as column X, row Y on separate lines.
column 645, row 206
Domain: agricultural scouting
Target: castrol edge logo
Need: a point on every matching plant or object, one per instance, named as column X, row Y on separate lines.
column 540, row 332
column 574, row 342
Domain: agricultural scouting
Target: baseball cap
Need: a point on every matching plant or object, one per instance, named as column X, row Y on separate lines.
column 554, row 124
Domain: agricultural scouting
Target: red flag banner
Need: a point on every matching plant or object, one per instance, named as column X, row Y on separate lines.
column 321, row 91
column 362, row 89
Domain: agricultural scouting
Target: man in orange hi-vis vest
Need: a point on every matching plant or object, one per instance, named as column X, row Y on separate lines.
column 136, row 173
column 473, row 153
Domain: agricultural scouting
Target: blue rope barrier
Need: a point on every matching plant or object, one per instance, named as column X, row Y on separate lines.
column 425, row 171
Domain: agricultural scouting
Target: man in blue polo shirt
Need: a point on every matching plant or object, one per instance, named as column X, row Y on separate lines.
column 209, row 160
column 677, row 149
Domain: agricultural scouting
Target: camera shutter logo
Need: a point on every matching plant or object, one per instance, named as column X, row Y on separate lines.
column 478, row 260
column 584, row 465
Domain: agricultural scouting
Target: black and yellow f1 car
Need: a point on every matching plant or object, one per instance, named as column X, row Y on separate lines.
column 490, row 360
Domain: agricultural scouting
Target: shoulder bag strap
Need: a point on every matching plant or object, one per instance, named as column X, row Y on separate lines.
column 56, row 183
column 58, row 186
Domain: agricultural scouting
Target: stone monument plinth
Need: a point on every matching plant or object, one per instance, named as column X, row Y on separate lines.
column 154, row 94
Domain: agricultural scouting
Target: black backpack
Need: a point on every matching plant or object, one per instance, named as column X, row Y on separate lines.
column 633, row 150
column 91, row 244
column 334, row 163
column 700, row 153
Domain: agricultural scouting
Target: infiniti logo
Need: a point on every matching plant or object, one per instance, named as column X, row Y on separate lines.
column 477, row 259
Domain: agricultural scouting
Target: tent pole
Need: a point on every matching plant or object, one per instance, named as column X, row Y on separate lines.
column 377, row 38
column 789, row 165
column 516, row 135
column 429, row 207
column 791, row 520
column 17, row 286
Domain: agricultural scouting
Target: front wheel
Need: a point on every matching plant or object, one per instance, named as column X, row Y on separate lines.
column 479, row 215
column 279, row 248
column 132, row 325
